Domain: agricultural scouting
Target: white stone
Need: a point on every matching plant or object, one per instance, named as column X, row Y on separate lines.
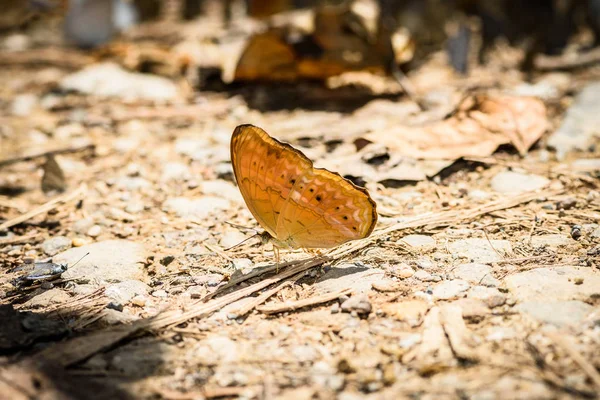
column 450, row 289
column 198, row 208
column 509, row 182
column 123, row 292
column 160, row 293
column 110, row 80
column 481, row 250
column 24, row 104
column 420, row 242
column 56, row 244
column 490, row 296
column 107, row 261
column 559, row 313
column 479, row 274
column 551, row 240
column 554, row 284
column 175, row 171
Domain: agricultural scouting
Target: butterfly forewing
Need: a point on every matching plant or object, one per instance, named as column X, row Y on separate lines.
column 296, row 203
column 264, row 173
column 326, row 210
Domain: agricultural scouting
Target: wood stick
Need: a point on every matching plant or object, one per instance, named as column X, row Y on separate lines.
column 31, row 157
column 295, row 305
column 245, row 309
column 57, row 57
column 44, row 207
column 201, row 309
column 254, row 273
column 20, row 239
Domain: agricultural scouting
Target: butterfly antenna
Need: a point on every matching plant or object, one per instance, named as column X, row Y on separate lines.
column 242, row 242
column 241, row 227
column 80, row 259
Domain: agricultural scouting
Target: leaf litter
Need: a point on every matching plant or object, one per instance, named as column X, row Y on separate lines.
column 230, row 323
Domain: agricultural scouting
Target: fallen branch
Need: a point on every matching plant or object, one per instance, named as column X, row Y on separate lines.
column 295, row 305
column 256, row 272
column 31, row 157
column 246, row 308
column 20, row 239
column 51, row 56
column 44, row 207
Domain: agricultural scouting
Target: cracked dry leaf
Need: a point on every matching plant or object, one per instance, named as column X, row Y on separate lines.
column 480, row 125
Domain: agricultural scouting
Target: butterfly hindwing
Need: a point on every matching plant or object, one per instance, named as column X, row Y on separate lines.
column 326, row 210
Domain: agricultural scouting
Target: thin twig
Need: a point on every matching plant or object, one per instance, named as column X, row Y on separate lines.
column 219, row 252
column 20, row 239
column 31, row 157
column 44, row 207
column 201, row 309
column 256, row 272
column 295, row 305
column 255, row 302
column 51, row 56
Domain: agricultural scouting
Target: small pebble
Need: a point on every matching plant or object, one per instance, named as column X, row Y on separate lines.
column 425, row 263
column 78, row 242
column 134, row 208
column 567, row 203
column 423, row 276
column 94, row 231
column 113, row 305
column 359, row 304
column 139, row 300
column 578, row 281
column 576, row 232
column 335, row 308
column 160, row 293
column 83, row 225
column 56, row 245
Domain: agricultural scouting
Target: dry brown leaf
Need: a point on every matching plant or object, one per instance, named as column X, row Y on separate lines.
column 341, row 41
column 480, row 125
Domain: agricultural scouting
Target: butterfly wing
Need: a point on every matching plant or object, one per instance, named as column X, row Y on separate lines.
column 265, row 170
column 325, row 210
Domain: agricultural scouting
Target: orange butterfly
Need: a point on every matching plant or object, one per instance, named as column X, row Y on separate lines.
column 298, row 205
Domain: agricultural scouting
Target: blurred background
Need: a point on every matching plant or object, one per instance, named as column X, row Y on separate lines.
column 321, row 37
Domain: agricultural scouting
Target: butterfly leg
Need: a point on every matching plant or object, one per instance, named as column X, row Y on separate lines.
column 276, row 252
